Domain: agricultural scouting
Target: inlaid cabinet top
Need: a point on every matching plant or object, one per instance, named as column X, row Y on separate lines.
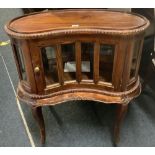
column 76, row 21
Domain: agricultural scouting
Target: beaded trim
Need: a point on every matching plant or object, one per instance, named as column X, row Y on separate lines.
column 75, row 31
column 115, row 94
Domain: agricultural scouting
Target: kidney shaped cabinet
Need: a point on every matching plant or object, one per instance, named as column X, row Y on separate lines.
column 77, row 54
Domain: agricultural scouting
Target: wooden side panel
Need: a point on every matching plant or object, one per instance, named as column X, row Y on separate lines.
column 37, row 62
column 127, row 64
column 119, row 60
column 78, row 60
column 28, row 65
column 96, row 62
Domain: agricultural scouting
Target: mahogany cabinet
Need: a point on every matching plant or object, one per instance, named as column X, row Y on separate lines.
column 77, row 54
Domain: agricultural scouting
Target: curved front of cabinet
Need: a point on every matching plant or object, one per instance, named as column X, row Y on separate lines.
column 99, row 63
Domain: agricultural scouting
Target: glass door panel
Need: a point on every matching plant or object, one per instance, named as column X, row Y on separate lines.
column 134, row 59
column 106, row 60
column 87, row 55
column 50, row 65
column 68, row 61
column 21, row 62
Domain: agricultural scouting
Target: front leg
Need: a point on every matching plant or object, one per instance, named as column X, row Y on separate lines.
column 120, row 115
column 37, row 114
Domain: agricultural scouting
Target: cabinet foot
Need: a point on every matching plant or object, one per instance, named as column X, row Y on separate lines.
column 120, row 115
column 37, row 114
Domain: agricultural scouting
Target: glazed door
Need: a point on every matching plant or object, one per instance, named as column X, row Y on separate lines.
column 78, row 62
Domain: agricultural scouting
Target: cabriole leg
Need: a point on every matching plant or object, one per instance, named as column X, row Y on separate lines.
column 120, row 115
column 37, row 114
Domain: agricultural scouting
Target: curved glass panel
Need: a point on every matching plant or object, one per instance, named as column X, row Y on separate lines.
column 50, row 65
column 68, row 61
column 21, row 62
column 134, row 59
column 106, row 60
column 87, row 60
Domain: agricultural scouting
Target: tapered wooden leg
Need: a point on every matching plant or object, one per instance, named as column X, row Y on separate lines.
column 120, row 114
column 37, row 114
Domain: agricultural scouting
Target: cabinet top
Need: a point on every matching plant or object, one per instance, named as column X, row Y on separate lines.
column 85, row 21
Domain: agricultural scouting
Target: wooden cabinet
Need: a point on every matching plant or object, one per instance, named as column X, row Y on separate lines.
column 78, row 55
